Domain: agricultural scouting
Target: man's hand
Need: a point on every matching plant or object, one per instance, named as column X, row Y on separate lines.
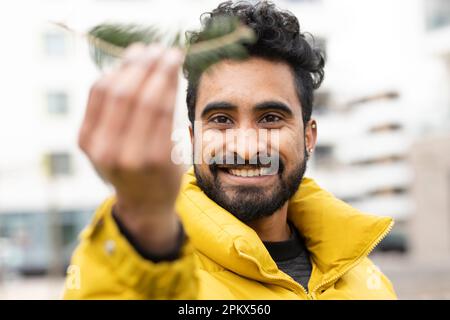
column 126, row 134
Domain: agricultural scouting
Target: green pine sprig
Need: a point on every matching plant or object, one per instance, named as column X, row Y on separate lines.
column 221, row 39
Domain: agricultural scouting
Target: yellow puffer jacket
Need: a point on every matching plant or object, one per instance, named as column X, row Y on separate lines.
column 225, row 259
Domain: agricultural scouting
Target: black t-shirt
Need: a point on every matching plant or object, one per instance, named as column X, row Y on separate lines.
column 292, row 257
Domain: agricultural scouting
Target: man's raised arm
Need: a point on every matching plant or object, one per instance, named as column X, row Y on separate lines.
column 126, row 134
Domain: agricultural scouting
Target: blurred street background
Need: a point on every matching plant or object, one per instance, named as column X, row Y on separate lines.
column 383, row 116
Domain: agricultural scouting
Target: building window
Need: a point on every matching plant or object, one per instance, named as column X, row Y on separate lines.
column 25, row 237
column 55, row 44
column 437, row 14
column 396, row 241
column 382, row 160
column 387, row 127
column 323, row 155
column 58, row 164
column 321, row 102
column 321, row 44
column 57, row 103
column 388, row 191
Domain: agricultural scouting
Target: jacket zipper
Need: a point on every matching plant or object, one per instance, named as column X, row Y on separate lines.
column 357, row 261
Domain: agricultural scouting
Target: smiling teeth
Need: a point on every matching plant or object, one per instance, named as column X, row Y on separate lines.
column 250, row 172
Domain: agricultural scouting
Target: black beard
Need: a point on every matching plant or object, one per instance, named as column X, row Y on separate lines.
column 250, row 203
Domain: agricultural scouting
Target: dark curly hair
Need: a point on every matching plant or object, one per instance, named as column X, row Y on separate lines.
column 278, row 39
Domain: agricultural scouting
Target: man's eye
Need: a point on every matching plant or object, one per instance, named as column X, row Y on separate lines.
column 270, row 118
column 221, row 119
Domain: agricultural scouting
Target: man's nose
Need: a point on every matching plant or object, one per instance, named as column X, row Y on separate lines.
column 244, row 143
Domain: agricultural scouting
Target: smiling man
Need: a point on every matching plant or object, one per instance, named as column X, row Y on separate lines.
column 243, row 222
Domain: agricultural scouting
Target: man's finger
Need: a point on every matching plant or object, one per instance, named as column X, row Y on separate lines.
column 154, row 107
column 94, row 109
column 119, row 103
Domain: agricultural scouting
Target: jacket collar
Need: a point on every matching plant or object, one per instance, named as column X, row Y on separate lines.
column 336, row 235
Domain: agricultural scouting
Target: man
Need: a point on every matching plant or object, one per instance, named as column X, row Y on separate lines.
column 249, row 228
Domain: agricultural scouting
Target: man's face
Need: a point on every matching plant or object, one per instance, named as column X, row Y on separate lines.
column 251, row 137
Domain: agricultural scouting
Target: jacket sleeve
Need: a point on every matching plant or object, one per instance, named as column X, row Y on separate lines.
column 106, row 266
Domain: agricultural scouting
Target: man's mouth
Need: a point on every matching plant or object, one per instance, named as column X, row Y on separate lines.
column 251, row 172
column 248, row 171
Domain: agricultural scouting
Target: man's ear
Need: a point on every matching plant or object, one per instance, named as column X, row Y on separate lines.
column 310, row 135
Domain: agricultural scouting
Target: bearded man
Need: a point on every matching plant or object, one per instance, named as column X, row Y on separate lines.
column 243, row 223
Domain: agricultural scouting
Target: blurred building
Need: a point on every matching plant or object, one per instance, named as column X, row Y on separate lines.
column 386, row 85
column 385, row 89
column 47, row 189
column 430, row 155
column 431, row 188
